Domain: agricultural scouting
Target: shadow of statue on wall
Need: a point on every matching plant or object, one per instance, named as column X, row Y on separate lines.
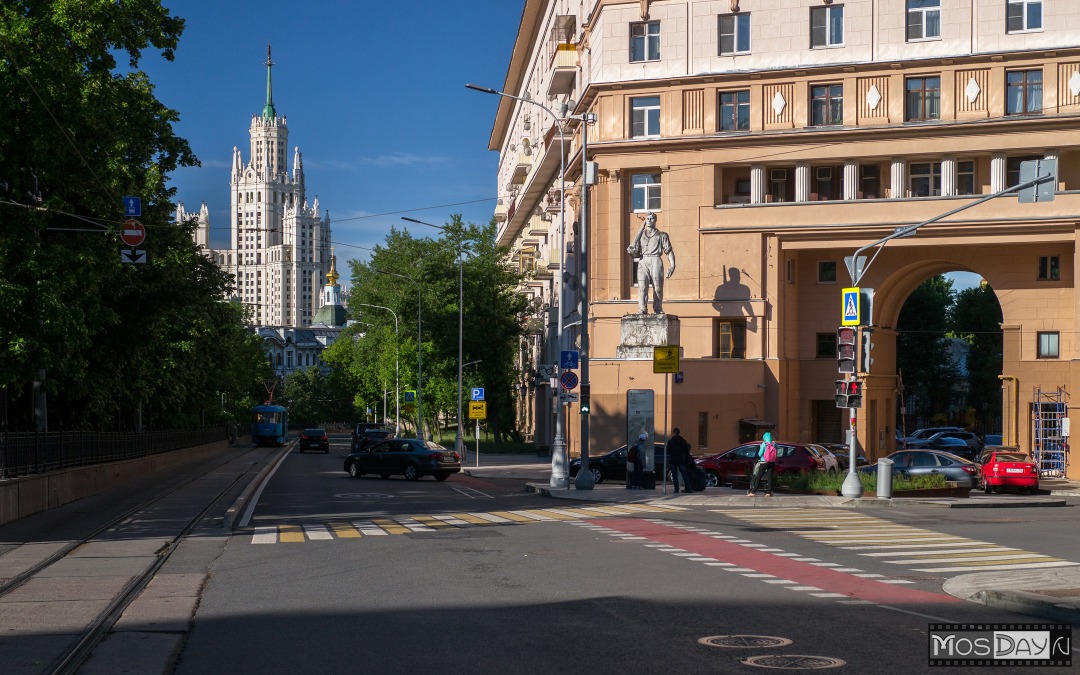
column 732, row 299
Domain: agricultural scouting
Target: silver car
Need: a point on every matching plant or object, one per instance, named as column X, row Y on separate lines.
column 911, row 463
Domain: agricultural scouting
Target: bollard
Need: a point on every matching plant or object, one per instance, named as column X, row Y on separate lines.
column 884, row 478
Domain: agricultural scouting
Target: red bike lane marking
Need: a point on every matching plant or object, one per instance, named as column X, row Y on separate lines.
column 858, row 588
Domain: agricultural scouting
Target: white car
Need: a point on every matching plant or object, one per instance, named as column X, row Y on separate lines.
column 829, row 462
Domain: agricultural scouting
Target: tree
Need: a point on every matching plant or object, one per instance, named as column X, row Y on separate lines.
column 976, row 318
column 922, row 356
column 108, row 339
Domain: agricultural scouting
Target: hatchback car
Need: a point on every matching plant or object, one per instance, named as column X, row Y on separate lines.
column 314, row 439
column 412, row 458
column 1008, row 469
column 740, row 460
column 911, row 463
column 612, row 465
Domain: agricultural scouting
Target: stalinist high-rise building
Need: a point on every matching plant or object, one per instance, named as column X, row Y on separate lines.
column 279, row 246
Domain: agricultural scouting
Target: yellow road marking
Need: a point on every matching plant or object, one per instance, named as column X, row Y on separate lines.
column 470, row 518
column 431, row 521
column 516, row 517
column 344, row 531
column 391, row 526
column 290, row 534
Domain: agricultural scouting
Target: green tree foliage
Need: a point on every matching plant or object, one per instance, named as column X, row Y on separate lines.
column 922, row 355
column 976, row 318
column 315, row 398
column 79, row 134
column 367, row 352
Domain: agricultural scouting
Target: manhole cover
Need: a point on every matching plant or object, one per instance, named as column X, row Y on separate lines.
column 794, row 662
column 744, row 641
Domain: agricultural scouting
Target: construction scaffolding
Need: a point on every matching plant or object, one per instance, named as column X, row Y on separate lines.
column 1049, row 431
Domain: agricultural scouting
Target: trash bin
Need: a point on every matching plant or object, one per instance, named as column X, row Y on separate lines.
column 884, row 478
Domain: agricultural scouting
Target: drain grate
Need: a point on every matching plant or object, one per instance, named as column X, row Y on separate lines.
column 794, row 662
column 737, row 641
column 1059, row 592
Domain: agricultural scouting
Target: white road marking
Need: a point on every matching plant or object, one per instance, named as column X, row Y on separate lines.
column 265, row 534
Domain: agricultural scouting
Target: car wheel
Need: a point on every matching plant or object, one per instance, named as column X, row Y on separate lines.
column 597, row 474
column 832, row 470
column 326, row 451
column 712, row 479
column 441, row 476
column 411, row 472
column 987, row 487
column 354, row 470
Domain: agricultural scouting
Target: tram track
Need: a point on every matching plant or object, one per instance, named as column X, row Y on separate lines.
column 75, row 654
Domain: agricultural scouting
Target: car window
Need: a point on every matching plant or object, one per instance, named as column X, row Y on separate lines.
column 749, row 451
column 785, row 451
column 923, row 459
column 1010, row 457
column 901, row 458
column 945, row 461
column 384, row 446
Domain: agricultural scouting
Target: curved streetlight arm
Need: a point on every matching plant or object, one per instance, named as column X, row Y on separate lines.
column 419, row 351
column 397, row 369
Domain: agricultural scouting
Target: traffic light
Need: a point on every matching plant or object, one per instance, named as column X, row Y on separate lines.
column 866, row 345
column 584, row 400
column 846, row 337
column 849, row 393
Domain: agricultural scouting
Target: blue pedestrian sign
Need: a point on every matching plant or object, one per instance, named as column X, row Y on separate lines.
column 410, row 396
column 132, row 207
column 850, row 308
column 478, row 393
column 568, row 360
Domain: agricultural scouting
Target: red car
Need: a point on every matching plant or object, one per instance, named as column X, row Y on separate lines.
column 739, row 461
column 1008, row 469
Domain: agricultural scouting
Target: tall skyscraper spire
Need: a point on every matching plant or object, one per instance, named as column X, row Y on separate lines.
column 268, row 112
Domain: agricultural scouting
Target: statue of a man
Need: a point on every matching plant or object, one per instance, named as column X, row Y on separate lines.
column 648, row 245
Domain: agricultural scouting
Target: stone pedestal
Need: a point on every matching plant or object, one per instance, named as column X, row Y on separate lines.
column 642, row 332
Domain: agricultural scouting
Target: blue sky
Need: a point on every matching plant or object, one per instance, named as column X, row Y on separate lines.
column 374, row 96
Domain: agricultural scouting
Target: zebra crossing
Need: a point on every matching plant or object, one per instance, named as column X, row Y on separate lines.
column 379, row 527
column 912, row 548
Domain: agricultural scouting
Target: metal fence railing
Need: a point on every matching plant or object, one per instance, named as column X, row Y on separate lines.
column 26, row 453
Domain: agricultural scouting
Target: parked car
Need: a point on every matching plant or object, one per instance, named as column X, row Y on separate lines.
column 946, row 443
column 911, row 463
column 919, row 438
column 829, row 461
column 1001, row 468
column 358, row 431
column 369, row 437
column 612, row 465
column 314, row 439
column 739, row 461
column 409, row 457
column 842, row 454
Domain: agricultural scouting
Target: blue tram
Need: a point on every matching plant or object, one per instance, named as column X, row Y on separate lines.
column 269, row 424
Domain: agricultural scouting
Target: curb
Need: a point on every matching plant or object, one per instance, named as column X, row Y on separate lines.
column 1032, row 604
column 231, row 514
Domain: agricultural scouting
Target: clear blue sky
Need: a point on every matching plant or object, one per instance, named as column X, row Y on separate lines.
column 374, row 96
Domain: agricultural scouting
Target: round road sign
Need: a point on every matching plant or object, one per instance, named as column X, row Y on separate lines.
column 569, row 380
column 133, row 233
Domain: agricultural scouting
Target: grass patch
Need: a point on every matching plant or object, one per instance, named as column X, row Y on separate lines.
column 487, row 443
column 817, row 480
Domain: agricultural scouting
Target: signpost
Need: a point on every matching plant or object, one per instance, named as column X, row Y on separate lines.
column 666, row 359
column 569, row 380
column 478, row 410
column 478, row 393
column 132, row 235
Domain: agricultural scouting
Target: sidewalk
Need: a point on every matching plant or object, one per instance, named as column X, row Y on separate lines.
column 1052, row 594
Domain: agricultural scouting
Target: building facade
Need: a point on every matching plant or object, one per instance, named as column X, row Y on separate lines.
column 279, row 244
column 773, row 139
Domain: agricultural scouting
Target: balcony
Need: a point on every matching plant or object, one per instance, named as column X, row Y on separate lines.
column 501, row 211
column 563, row 70
column 521, row 168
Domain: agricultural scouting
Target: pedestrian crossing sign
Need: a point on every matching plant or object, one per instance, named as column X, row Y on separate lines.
column 850, row 307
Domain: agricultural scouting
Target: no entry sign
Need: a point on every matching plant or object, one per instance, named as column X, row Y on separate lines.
column 133, row 233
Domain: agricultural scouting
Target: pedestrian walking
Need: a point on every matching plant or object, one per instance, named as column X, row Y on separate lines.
column 636, row 454
column 764, row 467
column 678, row 451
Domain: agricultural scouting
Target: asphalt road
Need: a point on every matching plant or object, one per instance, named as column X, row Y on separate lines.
column 379, row 575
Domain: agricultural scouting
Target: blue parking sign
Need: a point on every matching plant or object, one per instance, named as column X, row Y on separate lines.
column 478, row 393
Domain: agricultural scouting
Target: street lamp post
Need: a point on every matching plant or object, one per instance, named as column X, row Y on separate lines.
column 584, row 480
column 397, row 371
column 559, row 471
column 419, row 352
column 459, row 442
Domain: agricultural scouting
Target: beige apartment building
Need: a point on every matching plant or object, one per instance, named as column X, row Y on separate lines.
column 773, row 138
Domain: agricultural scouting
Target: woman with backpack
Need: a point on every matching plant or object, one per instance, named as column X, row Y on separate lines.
column 766, row 463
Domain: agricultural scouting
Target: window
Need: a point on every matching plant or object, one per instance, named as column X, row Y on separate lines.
column 646, row 192
column 826, row 272
column 1023, row 92
column 1049, row 269
column 826, row 345
column 826, row 182
column 925, row 179
column 869, row 181
column 734, row 34
column 778, row 185
column 1048, row 345
column 923, row 99
column 965, row 177
column 703, row 429
column 731, row 339
column 644, row 116
column 735, row 110
column 826, row 104
column 645, row 41
column 827, row 26
column 1023, row 15
column 923, row 19
column 1012, row 169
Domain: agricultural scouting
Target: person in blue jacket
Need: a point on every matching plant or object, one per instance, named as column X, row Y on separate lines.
column 765, row 465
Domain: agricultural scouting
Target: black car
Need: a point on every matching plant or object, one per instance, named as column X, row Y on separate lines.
column 358, row 432
column 612, row 465
column 920, row 438
column 843, row 455
column 314, row 439
column 946, row 441
column 409, row 457
column 369, row 437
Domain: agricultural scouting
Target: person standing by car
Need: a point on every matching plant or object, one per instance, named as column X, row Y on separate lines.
column 678, row 451
column 636, row 454
column 765, row 465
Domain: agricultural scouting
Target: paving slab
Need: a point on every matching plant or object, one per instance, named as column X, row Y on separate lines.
column 139, row 653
